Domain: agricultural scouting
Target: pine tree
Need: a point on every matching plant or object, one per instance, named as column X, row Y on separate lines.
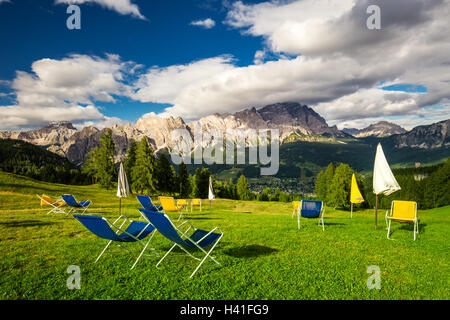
column 339, row 191
column 143, row 173
column 183, row 181
column 130, row 160
column 321, row 186
column 243, row 191
column 329, row 173
column 164, row 174
column 436, row 192
column 89, row 167
column 201, row 183
column 105, row 161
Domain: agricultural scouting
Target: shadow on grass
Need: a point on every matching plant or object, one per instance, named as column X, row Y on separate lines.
column 249, row 251
column 200, row 218
column 26, row 223
column 410, row 227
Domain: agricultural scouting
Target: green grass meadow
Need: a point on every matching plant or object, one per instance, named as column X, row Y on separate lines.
column 262, row 254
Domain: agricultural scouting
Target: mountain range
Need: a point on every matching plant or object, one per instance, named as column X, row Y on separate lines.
column 295, row 122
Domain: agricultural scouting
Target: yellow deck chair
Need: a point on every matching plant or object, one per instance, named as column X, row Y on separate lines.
column 55, row 204
column 297, row 206
column 196, row 203
column 169, row 205
column 183, row 203
column 404, row 212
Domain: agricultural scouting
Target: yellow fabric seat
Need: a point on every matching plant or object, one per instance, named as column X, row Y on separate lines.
column 169, row 205
column 48, row 201
column 400, row 220
column 297, row 206
column 56, row 205
column 403, row 211
column 196, row 203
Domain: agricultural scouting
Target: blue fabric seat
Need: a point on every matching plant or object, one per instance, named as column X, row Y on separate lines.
column 135, row 232
column 199, row 239
column 147, row 203
column 311, row 208
column 74, row 204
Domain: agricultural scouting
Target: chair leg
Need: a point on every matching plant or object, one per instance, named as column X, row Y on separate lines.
column 323, row 226
column 416, row 230
column 143, row 250
column 103, row 250
column 165, row 255
column 206, row 256
column 389, row 229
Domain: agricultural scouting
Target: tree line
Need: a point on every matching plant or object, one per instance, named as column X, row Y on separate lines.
column 26, row 159
column 151, row 175
column 427, row 186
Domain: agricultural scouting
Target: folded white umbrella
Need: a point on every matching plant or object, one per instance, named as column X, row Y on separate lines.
column 211, row 190
column 123, row 189
column 211, row 195
column 384, row 181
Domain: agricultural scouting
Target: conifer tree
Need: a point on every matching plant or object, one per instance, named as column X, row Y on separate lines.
column 183, row 181
column 130, row 160
column 89, row 167
column 339, row 191
column 201, row 183
column 105, row 161
column 321, row 186
column 329, row 173
column 243, row 191
column 143, row 172
column 164, row 174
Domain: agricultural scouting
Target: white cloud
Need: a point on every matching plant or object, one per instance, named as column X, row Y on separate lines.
column 206, row 23
column 124, row 7
column 65, row 89
column 259, row 56
column 416, row 118
column 104, row 122
column 337, row 66
column 15, row 117
column 162, row 85
column 1, row 1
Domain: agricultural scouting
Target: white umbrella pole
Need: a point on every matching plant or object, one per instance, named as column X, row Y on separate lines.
column 351, row 211
column 376, row 210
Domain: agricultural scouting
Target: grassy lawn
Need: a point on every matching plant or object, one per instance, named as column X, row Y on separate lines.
column 262, row 254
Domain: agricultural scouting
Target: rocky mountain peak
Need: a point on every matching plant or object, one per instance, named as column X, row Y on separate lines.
column 379, row 129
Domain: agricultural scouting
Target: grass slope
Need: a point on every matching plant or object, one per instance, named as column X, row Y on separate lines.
column 263, row 255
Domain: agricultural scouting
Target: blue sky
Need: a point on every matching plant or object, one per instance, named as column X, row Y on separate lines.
column 148, row 58
column 165, row 38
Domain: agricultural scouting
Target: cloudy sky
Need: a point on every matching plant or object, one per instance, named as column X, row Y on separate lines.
column 191, row 58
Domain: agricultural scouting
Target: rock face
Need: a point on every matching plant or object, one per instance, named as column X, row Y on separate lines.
column 432, row 136
column 289, row 118
column 380, row 129
column 55, row 133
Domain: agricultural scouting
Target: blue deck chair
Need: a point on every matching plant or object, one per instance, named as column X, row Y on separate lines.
column 74, row 205
column 101, row 227
column 198, row 240
column 146, row 202
column 311, row 209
